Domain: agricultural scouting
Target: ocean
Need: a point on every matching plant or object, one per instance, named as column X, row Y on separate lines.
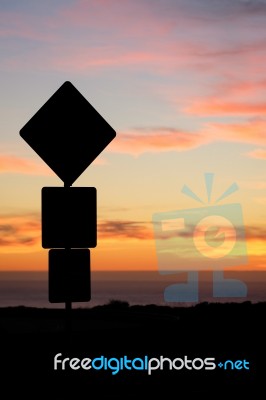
column 135, row 287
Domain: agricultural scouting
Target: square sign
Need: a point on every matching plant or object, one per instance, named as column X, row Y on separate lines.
column 69, row 275
column 69, row 217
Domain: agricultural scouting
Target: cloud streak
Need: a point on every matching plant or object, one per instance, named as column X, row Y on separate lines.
column 19, row 165
column 214, row 106
column 124, row 229
column 232, row 96
column 251, row 131
column 255, row 233
column 156, row 140
column 257, row 153
column 20, row 233
column 163, row 37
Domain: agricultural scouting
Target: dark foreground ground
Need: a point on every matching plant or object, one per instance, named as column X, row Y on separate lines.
column 31, row 337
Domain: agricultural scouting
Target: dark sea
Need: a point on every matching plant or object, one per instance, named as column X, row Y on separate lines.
column 139, row 287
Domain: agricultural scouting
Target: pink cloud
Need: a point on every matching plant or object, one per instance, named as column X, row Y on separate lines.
column 230, row 95
column 23, row 26
column 139, row 141
column 252, row 131
column 126, row 17
column 233, row 86
column 156, row 140
column 13, row 164
column 104, row 34
column 213, row 106
column 18, row 165
column 94, row 36
column 84, row 59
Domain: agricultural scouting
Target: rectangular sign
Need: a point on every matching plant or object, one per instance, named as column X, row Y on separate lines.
column 69, row 217
column 69, row 275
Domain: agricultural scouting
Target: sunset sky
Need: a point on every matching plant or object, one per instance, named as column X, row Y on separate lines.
column 182, row 82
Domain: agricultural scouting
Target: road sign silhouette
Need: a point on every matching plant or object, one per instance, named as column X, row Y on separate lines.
column 69, row 217
column 69, row 275
column 67, row 133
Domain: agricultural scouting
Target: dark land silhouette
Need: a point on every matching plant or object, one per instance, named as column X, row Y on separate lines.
column 31, row 337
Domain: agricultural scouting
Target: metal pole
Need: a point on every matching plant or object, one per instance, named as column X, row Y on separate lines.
column 68, row 304
column 68, row 308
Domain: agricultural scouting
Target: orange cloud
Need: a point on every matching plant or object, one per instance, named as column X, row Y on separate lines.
column 124, row 229
column 156, row 140
column 258, row 153
column 20, row 233
column 170, row 139
column 222, row 107
column 252, row 131
column 13, row 164
column 234, row 86
column 229, row 96
column 255, row 233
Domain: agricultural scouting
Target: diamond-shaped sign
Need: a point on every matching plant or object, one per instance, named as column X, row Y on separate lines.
column 67, row 133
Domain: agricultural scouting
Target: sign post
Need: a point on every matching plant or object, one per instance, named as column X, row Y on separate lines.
column 68, row 134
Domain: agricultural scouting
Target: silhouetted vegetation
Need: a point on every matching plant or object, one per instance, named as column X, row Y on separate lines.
column 32, row 336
